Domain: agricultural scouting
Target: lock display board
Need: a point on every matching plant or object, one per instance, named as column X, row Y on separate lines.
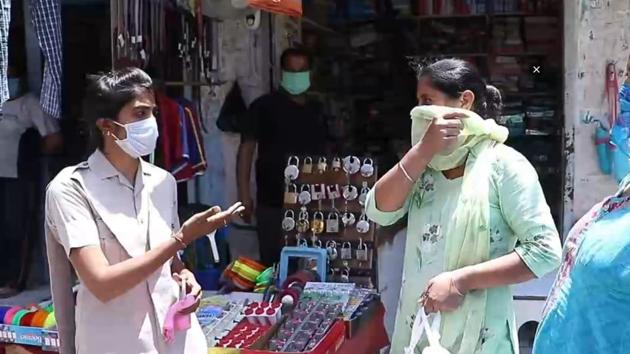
column 324, row 201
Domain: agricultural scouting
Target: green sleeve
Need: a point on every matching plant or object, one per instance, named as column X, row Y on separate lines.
column 525, row 210
column 383, row 218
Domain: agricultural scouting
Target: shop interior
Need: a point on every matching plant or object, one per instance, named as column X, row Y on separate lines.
column 366, row 56
column 364, row 60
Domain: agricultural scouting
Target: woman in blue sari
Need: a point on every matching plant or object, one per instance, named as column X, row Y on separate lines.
column 589, row 306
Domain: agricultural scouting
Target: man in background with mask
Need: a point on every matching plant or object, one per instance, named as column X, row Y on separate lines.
column 279, row 124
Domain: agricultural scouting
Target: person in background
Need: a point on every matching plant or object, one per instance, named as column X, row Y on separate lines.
column 453, row 218
column 279, row 124
column 590, row 299
column 114, row 217
column 19, row 114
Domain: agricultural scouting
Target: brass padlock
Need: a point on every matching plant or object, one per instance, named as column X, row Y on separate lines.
column 317, row 226
column 290, row 194
column 303, row 224
column 308, row 165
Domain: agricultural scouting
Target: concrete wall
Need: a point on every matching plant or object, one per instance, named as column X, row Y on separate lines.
column 596, row 33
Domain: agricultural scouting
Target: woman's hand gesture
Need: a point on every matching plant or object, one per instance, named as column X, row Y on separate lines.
column 206, row 222
column 442, row 133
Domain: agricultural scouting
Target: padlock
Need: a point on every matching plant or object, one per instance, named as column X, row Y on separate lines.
column 317, row 226
column 333, row 192
column 301, row 242
column 364, row 193
column 318, row 191
column 336, row 164
column 362, row 252
column 363, row 226
column 303, row 225
column 331, row 249
column 350, row 192
column 332, row 223
column 308, row 165
column 322, row 165
column 291, row 172
column 290, row 194
column 288, row 223
column 351, row 164
column 346, row 251
column 367, row 170
column 348, row 219
column 305, row 195
column 345, row 275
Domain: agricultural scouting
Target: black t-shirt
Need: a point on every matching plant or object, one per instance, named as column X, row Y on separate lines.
column 282, row 128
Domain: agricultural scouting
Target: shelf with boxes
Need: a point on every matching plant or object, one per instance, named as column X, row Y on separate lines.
column 324, row 203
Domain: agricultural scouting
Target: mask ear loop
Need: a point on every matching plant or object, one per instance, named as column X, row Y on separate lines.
column 109, row 132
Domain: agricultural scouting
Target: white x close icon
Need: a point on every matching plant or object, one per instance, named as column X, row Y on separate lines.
column 536, row 69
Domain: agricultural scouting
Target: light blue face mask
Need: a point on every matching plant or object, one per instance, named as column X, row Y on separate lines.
column 296, row 83
column 15, row 87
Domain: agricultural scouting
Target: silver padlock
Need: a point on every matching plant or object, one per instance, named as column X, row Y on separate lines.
column 364, row 193
column 363, row 226
column 350, row 192
column 362, row 252
column 346, row 251
column 348, row 219
column 322, row 165
column 292, row 171
column 318, row 191
column 331, row 249
column 288, row 223
column 332, row 223
column 367, row 170
column 336, row 164
column 305, row 195
column 345, row 275
column 333, row 192
column 307, row 168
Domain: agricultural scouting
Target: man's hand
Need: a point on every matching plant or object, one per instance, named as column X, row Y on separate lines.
column 192, row 288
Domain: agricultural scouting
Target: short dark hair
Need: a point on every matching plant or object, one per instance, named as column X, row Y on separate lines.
column 454, row 76
column 292, row 53
column 108, row 93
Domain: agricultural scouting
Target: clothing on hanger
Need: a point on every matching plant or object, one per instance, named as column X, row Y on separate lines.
column 46, row 17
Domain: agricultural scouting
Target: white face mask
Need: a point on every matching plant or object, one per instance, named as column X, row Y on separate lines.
column 141, row 137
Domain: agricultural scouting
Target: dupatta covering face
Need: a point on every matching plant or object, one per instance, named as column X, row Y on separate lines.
column 468, row 240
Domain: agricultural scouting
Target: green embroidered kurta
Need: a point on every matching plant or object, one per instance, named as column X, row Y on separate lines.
column 518, row 212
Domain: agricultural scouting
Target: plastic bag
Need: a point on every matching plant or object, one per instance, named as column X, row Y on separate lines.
column 421, row 325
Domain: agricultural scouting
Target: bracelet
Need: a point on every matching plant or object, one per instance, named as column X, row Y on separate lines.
column 179, row 240
column 404, row 171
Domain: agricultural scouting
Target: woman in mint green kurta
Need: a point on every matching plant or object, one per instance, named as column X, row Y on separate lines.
column 518, row 213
